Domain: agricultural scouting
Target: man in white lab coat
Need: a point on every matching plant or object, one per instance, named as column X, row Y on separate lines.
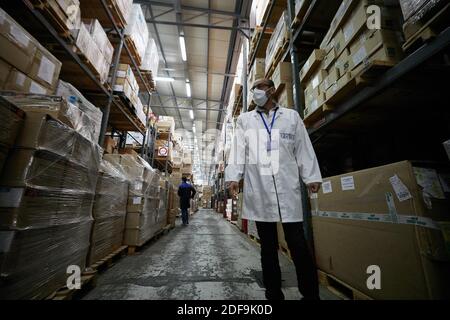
column 271, row 151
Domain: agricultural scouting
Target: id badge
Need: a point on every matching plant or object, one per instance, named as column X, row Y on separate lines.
column 272, row 145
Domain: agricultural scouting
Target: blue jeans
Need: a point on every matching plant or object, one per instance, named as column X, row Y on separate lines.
column 185, row 216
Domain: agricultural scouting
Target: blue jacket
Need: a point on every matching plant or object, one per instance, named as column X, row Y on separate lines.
column 186, row 192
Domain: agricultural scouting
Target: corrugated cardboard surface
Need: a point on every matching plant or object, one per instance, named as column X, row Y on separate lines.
column 412, row 259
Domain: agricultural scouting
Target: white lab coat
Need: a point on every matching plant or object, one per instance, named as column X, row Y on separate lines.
column 272, row 195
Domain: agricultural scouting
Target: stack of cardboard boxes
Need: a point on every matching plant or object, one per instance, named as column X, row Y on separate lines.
column 278, row 39
column 143, row 198
column 394, row 217
column 67, row 14
column 109, row 212
column 150, row 62
column 120, row 10
column 206, row 197
column 126, row 83
column 186, row 170
column 165, row 128
column 282, row 78
column 12, row 120
column 47, row 192
column 257, row 71
column 137, row 32
column 25, row 65
column 348, row 50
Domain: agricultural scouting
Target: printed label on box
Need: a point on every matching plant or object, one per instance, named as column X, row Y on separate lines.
column 315, row 82
column 11, row 197
column 347, row 183
column 400, row 189
column 138, row 185
column 348, row 32
column 46, row 70
column 137, row 200
column 359, row 56
column 20, row 79
column 36, row 88
column 326, row 187
column 19, row 36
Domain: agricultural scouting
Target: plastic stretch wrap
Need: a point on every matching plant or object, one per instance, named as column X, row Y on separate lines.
column 109, row 212
column 151, row 58
column 11, row 120
column 100, row 38
column 75, row 97
column 276, row 40
column 415, row 10
column 137, row 30
column 34, row 262
column 125, row 7
column 107, row 236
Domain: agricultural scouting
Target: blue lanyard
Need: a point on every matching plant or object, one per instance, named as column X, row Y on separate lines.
column 269, row 131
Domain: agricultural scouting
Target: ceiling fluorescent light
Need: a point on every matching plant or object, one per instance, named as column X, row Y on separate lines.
column 191, row 114
column 163, row 79
column 183, row 49
column 193, row 129
column 188, row 89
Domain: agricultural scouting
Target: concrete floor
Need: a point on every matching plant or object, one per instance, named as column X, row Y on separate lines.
column 209, row 259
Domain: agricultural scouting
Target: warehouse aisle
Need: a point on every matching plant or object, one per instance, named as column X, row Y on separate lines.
column 209, row 259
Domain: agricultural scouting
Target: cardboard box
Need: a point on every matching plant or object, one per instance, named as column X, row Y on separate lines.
column 134, row 220
column 45, row 69
column 286, row 97
column 318, row 77
column 282, row 74
column 5, row 69
column 314, row 104
column 332, row 78
column 110, row 145
column 17, row 81
column 329, row 59
column 371, row 42
column 100, row 38
column 311, row 64
column 343, row 63
column 360, row 214
column 12, row 121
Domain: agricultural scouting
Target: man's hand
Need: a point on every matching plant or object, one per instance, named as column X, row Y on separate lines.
column 233, row 186
column 314, row 187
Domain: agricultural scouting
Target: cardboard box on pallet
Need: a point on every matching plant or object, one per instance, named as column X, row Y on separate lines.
column 279, row 36
column 100, row 38
column 286, row 97
column 26, row 54
column 66, row 12
column 310, row 66
column 282, row 74
column 17, row 81
column 397, row 206
column 137, row 31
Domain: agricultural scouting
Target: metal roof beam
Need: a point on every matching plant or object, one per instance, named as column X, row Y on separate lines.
column 236, row 15
column 196, row 25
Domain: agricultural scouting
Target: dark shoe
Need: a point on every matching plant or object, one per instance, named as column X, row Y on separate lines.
column 276, row 295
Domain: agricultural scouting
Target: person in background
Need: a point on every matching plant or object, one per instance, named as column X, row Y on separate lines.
column 272, row 190
column 186, row 192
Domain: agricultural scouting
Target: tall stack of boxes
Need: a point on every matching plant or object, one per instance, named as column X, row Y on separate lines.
column 279, row 37
column 143, row 197
column 348, row 50
column 282, row 78
column 109, row 212
column 206, row 197
column 150, row 62
column 12, row 120
column 25, row 65
column 47, row 192
column 393, row 217
column 126, row 83
column 186, row 170
column 137, row 31
column 120, row 9
column 165, row 129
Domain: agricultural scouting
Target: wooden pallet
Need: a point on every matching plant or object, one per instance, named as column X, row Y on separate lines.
column 148, row 81
column 340, row 288
column 88, row 281
column 281, row 50
column 421, row 32
column 51, row 10
column 133, row 51
column 128, row 108
column 133, row 249
column 109, row 260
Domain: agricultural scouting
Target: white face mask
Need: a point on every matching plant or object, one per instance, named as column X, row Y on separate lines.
column 260, row 97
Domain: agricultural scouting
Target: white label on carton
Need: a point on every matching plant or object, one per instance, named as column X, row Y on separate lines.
column 429, row 181
column 36, row 88
column 400, row 189
column 19, row 36
column 326, row 187
column 46, row 70
column 10, row 197
column 347, row 183
column 315, row 82
column 6, row 238
column 348, row 32
column 137, row 200
column 305, row 67
column 138, row 186
column 359, row 56
column 20, row 79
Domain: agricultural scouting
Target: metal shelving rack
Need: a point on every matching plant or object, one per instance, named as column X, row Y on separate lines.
column 103, row 91
column 324, row 11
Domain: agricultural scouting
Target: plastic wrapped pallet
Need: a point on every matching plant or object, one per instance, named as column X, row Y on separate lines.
column 94, row 114
column 137, row 30
column 416, row 9
column 46, row 199
column 100, row 38
column 151, row 58
column 21, row 51
column 143, row 197
column 109, row 213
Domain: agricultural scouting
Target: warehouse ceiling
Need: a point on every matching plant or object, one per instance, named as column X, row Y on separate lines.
column 212, row 42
